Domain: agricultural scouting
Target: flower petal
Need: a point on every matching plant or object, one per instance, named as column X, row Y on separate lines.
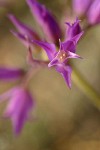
column 24, row 39
column 69, row 46
column 49, row 48
column 10, row 73
column 73, row 29
column 73, row 55
column 20, row 117
column 19, row 108
column 54, row 62
column 65, row 71
column 22, row 28
column 77, row 37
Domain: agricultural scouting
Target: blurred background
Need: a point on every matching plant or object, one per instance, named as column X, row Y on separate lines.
column 64, row 119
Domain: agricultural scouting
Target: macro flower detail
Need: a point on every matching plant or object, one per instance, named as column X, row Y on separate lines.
column 60, row 59
column 94, row 13
column 80, row 7
column 25, row 33
column 46, row 20
column 10, row 73
column 19, row 107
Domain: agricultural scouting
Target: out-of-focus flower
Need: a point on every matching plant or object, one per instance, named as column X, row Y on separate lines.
column 19, row 107
column 94, row 13
column 46, row 20
column 80, row 7
column 10, row 73
column 24, row 33
column 60, row 59
column 73, row 29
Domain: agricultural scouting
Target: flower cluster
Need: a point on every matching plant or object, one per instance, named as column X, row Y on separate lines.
column 67, row 48
column 21, row 102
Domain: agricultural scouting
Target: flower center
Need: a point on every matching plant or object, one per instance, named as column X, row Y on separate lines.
column 62, row 56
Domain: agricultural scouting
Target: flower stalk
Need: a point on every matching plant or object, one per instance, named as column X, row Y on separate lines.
column 86, row 88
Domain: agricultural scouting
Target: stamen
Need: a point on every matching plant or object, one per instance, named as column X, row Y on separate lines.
column 62, row 56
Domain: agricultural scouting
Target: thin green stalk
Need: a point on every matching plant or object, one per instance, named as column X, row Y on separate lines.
column 86, row 88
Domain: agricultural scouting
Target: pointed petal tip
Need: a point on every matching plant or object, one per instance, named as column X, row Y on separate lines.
column 16, row 132
column 49, row 65
column 11, row 17
column 30, row 2
column 77, row 37
column 19, row 35
column 68, row 24
column 13, row 32
column 69, row 86
column 81, row 57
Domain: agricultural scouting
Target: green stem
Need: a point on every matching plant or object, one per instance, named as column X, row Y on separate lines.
column 86, row 88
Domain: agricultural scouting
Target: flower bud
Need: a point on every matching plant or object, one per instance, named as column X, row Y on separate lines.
column 80, row 7
column 46, row 20
column 94, row 13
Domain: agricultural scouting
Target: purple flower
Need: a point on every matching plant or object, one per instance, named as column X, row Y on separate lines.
column 60, row 59
column 19, row 107
column 24, row 33
column 94, row 13
column 80, row 7
column 73, row 29
column 45, row 20
column 10, row 73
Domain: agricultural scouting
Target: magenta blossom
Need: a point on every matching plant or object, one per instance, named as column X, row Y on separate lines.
column 25, row 33
column 81, row 7
column 60, row 59
column 19, row 107
column 46, row 20
column 94, row 13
